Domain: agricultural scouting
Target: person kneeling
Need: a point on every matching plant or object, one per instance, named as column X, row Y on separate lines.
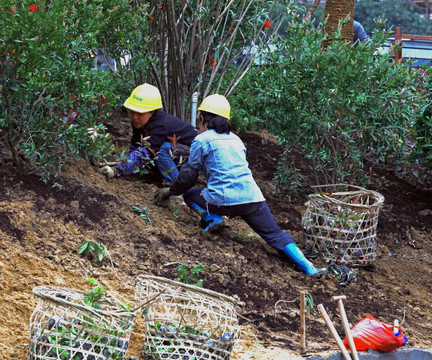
column 150, row 122
column 231, row 189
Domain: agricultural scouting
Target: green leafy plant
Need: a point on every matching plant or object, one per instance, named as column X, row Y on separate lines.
column 158, row 44
column 149, row 163
column 399, row 13
column 56, row 185
column 52, row 100
column 191, row 275
column 309, row 303
column 422, row 132
column 340, row 105
column 62, row 332
column 287, row 177
column 89, row 246
column 143, row 212
column 167, row 342
column 175, row 212
column 244, row 237
column 94, row 294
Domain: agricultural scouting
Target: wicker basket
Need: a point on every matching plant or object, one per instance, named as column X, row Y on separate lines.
column 186, row 322
column 341, row 225
column 63, row 327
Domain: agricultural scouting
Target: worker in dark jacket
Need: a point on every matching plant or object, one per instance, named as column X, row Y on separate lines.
column 154, row 134
column 231, row 189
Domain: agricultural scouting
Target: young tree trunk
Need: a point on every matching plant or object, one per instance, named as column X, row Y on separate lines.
column 338, row 10
column 311, row 11
column 194, row 45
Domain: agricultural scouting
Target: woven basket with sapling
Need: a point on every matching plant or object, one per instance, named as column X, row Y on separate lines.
column 185, row 321
column 75, row 325
column 341, row 225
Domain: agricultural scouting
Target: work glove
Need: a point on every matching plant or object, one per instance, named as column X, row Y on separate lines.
column 108, row 171
column 161, row 196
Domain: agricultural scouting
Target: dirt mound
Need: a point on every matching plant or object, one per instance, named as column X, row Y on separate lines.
column 42, row 226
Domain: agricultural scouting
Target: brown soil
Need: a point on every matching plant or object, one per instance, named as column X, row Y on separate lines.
column 41, row 228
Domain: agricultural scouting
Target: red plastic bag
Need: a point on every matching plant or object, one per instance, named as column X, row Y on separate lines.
column 370, row 333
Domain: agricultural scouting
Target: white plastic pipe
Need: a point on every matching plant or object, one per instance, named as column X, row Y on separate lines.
column 194, row 108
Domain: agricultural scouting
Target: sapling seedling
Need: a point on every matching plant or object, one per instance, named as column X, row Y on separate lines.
column 244, row 237
column 189, row 275
column 89, row 246
column 57, row 185
column 83, row 332
column 93, row 294
column 143, row 212
column 148, row 162
column 175, row 212
column 309, row 303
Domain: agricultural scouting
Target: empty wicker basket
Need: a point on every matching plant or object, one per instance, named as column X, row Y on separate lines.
column 341, row 225
column 186, row 322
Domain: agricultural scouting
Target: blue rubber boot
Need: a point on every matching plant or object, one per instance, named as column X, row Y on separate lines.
column 295, row 254
column 215, row 222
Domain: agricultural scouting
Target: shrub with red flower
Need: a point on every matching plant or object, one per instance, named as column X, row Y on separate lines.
column 267, row 24
column 32, row 8
column 213, row 63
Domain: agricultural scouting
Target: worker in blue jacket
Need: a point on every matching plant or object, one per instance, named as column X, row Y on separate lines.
column 231, row 189
column 359, row 33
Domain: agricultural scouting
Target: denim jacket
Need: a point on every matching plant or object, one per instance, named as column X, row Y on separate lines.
column 222, row 159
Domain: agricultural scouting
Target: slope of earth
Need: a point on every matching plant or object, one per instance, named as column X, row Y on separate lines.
column 42, row 227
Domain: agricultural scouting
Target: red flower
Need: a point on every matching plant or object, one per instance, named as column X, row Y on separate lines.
column 32, row 8
column 267, row 24
column 213, row 63
column 233, row 28
column 13, row 11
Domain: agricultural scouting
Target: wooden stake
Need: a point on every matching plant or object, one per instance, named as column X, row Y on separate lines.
column 302, row 323
column 334, row 333
column 345, row 324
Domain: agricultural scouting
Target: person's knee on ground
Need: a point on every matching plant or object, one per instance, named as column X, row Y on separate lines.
column 166, row 164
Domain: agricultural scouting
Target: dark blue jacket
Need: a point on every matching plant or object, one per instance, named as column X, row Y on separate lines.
column 160, row 127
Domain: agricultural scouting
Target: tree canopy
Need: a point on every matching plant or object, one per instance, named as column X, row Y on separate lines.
column 397, row 13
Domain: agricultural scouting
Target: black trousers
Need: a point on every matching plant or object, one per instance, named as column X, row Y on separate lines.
column 257, row 216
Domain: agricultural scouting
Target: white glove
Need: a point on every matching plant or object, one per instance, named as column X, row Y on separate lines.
column 108, row 171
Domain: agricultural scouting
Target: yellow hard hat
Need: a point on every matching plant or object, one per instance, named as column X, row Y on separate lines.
column 144, row 98
column 216, row 104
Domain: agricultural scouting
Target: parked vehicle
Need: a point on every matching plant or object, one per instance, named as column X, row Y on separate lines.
column 416, row 48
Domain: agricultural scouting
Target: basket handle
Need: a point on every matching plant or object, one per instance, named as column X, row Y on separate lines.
column 139, row 307
column 97, row 312
column 192, row 288
column 354, row 186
